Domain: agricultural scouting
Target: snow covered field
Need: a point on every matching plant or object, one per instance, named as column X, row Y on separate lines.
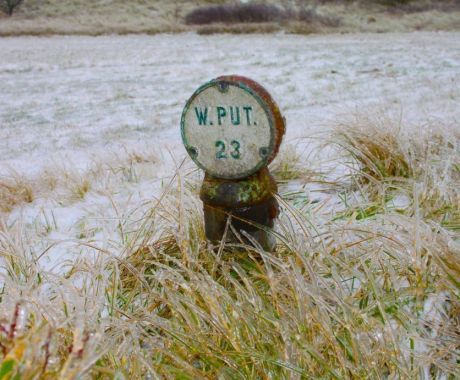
column 89, row 123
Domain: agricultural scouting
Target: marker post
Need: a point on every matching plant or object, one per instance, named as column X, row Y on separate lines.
column 232, row 129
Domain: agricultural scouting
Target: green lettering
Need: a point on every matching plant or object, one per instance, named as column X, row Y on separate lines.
column 220, row 154
column 248, row 110
column 235, row 118
column 201, row 115
column 221, row 113
column 236, row 154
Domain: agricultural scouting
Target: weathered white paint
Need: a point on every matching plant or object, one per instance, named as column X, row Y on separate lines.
column 208, row 121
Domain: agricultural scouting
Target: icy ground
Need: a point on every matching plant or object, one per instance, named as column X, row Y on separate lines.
column 104, row 112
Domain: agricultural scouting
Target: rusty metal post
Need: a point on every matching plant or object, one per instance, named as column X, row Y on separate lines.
column 249, row 202
column 232, row 129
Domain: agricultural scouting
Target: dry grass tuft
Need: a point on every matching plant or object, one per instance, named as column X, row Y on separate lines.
column 15, row 190
column 292, row 164
column 378, row 146
column 419, row 163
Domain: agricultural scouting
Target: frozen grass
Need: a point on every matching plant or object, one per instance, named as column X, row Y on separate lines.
column 14, row 190
column 415, row 164
column 292, row 164
column 374, row 296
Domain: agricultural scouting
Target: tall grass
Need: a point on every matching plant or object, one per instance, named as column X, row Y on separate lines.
column 418, row 164
column 341, row 297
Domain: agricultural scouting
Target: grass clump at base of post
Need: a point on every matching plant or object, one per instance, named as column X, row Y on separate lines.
column 320, row 306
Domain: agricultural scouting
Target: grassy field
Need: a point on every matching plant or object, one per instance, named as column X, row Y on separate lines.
column 36, row 17
column 105, row 271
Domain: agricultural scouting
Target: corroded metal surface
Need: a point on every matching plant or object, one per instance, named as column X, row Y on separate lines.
column 252, row 190
column 253, row 220
column 249, row 202
column 231, row 127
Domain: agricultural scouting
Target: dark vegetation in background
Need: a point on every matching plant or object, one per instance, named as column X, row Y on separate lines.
column 8, row 6
column 266, row 13
column 255, row 13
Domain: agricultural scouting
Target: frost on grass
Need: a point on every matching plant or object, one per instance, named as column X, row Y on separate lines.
column 348, row 293
column 389, row 162
column 14, row 190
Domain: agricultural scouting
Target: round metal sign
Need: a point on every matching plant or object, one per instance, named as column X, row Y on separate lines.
column 231, row 127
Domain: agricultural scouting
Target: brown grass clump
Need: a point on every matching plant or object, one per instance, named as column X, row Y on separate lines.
column 347, row 302
column 410, row 6
column 15, row 190
column 67, row 184
column 377, row 146
column 291, row 164
column 420, row 163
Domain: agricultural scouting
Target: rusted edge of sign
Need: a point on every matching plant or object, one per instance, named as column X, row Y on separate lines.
column 276, row 120
column 268, row 104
